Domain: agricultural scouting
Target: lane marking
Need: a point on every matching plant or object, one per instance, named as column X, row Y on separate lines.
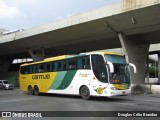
column 18, row 100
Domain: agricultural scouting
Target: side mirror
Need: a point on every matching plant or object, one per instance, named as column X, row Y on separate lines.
column 111, row 67
column 134, row 67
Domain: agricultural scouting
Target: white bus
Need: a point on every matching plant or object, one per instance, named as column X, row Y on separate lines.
column 87, row 74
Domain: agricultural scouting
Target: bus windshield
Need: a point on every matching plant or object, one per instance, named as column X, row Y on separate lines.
column 121, row 72
column 99, row 68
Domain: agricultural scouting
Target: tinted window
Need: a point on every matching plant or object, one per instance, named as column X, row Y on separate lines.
column 55, row 66
column 32, row 70
column 48, row 67
column 25, row 70
column 59, row 66
column 69, row 64
column 72, row 64
column 116, row 59
column 22, row 70
column 5, row 82
column 83, row 63
column 65, row 64
column 41, row 67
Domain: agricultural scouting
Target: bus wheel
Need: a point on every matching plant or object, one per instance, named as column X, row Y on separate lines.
column 30, row 90
column 84, row 92
column 36, row 90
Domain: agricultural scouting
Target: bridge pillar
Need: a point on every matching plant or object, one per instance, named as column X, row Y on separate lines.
column 158, row 68
column 136, row 53
column 36, row 57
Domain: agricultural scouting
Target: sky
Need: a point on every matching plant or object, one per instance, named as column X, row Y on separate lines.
column 24, row 14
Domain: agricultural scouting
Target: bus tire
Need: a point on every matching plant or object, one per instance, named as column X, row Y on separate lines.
column 30, row 90
column 36, row 90
column 85, row 93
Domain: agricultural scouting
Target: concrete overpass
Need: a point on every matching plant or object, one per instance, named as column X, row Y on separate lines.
column 130, row 24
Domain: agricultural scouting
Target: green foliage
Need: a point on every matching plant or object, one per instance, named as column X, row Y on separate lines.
column 153, row 69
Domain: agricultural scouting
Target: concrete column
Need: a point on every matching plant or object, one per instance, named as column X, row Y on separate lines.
column 137, row 54
column 147, row 69
column 36, row 57
column 158, row 68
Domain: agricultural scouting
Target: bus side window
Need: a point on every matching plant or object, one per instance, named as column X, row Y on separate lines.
column 41, row 68
column 59, row 65
column 55, row 66
column 87, row 63
column 35, row 68
column 83, row 63
column 64, row 66
column 48, row 67
column 79, row 63
column 72, row 64
column 31, row 69
column 27, row 70
column 23, row 70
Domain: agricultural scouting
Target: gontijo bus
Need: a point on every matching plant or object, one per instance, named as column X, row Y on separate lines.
column 87, row 74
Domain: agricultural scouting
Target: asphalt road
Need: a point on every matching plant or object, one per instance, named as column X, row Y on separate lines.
column 15, row 100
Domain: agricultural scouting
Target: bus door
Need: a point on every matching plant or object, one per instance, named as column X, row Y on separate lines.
column 100, row 72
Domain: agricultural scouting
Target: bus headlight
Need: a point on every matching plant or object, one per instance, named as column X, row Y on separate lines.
column 113, row 88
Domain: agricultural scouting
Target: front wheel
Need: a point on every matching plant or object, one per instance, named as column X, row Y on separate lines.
column 85, row 93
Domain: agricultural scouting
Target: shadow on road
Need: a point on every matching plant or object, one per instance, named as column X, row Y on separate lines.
column 63, row 96
column 105, row 99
